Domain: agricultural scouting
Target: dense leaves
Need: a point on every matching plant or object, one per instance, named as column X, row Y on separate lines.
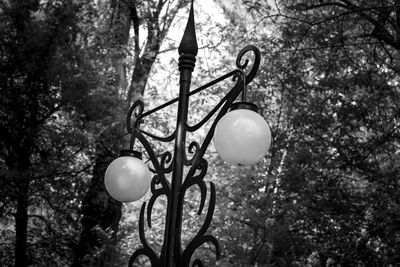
column 328, row 192
column 336, row 122
column 43, row 151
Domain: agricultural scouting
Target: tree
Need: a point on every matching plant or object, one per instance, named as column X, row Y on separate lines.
column 351, row 72
column 374, row 29
column 42, row 76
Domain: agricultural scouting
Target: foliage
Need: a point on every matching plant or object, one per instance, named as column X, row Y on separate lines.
column 336, row 126
column 44, row 155
column 326, row 195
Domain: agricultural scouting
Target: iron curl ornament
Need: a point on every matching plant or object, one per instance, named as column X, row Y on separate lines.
column 189, row 157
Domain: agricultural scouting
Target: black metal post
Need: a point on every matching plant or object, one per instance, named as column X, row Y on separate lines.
column 172, row 236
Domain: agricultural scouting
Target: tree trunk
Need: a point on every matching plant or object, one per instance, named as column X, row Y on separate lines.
column 140, row 77
column 21, row 215
column 21, row 225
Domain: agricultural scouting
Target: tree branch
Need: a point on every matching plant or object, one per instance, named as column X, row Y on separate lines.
column 136, row 22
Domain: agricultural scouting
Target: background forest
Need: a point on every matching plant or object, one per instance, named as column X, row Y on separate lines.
column 328, row 192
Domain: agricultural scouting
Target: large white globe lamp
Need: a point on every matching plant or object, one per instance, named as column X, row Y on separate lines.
column 127, row 178
column 242, row 136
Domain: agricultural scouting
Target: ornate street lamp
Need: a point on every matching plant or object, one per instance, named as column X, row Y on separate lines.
column 241, row 137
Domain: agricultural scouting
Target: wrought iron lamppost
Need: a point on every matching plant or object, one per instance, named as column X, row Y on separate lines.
column 241, row 136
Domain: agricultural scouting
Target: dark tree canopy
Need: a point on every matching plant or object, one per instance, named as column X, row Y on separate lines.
column 44, row 79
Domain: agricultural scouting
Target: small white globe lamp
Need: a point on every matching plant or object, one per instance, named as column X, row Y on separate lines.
column 242, row 136
column 127, row 178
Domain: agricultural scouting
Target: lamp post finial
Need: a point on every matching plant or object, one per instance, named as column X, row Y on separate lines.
column 188, row 43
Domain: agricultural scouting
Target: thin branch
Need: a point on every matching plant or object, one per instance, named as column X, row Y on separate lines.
column 380, row 32
column 209, row 46
column 327, row 46
column 136, row 23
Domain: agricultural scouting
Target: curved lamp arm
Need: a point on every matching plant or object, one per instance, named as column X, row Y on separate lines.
column 137, row 108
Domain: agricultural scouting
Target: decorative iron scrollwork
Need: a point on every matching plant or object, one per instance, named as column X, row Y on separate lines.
column 195, row 162
column 251, row 73
column 192, row 149
column 166, row 162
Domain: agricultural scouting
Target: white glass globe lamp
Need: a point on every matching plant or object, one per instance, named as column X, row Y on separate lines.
column 242, row 136
column 127, row 178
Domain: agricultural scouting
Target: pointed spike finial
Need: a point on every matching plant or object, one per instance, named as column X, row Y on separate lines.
column 188, row 43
